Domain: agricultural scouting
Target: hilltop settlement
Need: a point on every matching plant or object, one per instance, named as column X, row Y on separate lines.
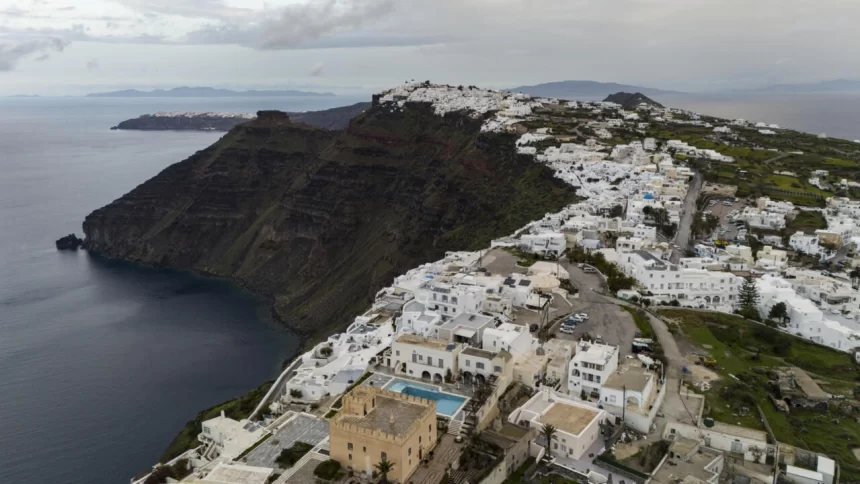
column 693, row 317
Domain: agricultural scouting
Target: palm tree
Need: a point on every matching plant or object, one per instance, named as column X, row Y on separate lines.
column 548, row 431
column 384, row 467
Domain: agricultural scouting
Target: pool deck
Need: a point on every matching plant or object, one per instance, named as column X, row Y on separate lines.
column 383, row 380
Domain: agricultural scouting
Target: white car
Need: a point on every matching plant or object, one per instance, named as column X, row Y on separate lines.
column 567, row 329
column 581, row 316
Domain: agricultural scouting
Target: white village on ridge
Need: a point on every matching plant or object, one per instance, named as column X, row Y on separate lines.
column 671, row 326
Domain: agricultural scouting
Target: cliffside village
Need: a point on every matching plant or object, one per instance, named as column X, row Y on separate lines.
column 505, row 342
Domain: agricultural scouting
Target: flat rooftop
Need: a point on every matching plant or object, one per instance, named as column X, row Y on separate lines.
column 478, row 352
column 404, row 414
column 569, row 418
column 737, row 431
column 474, row 321
column 695, row 468
column 237, row 474
column 632, row 378
column 432, row 343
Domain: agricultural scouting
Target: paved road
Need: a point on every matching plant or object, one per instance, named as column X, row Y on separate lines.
column 605, row 317
column 777, row 158
column 682, row 237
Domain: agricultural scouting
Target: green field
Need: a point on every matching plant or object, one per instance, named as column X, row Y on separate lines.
column 733, row 342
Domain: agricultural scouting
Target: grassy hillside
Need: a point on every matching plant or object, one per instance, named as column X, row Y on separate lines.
column 733, row 342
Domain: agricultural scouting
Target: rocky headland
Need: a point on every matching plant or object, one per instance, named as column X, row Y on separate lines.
column 320, row 220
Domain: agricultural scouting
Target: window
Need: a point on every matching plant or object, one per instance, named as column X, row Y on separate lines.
column 349, row 446
column 410, row 451
column 397, row 353
column 498, row 369
column 468, row 363
column 383, row 456
column 350, row 456
column 364, row 449
column 479, row 365
column 420, row 357
column 419, row 439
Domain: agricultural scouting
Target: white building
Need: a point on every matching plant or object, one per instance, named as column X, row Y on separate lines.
column 799, row 475
column 770, row 259
column 547, row 243
column 475, row 363
column 230, row 437
column 724, row 437
column 590, row 368
column 631, row 392
column 807, row 244
column 577, row 425
column 691, row 287
column 513, row 338
column 805, row 319
column 422, row 357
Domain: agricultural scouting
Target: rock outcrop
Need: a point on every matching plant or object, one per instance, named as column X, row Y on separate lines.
column 69, row 242
column 335, row 119
column 629, row 100
column 320, row 220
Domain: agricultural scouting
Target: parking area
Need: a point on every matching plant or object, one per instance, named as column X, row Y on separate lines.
column 727, row 231
column 606, row 321
column 302, row 428
column 501, row 262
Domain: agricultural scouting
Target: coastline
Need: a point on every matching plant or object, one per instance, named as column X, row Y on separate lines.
column 241, row 406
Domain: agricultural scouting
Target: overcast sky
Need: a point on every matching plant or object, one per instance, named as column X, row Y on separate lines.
column 76, row 46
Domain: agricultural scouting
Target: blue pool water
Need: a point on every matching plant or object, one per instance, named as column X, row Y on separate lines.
column 447, row 404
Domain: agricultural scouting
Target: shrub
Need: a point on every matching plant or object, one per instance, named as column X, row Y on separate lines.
column 296, row 393
column 327, row 470
column 292, row 455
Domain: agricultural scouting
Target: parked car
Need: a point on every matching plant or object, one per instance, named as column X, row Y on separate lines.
column 567, row 329
column 533, row 327
column 582, row 316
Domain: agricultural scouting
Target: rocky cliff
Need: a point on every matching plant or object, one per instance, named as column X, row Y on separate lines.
column 320, row 220
column 335, row 118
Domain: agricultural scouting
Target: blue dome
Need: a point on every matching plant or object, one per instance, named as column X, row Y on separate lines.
column 648, row 196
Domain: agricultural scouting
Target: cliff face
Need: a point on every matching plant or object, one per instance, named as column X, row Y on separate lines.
column 321, row 220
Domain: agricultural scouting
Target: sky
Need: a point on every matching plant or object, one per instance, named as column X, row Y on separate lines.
column 59, row 47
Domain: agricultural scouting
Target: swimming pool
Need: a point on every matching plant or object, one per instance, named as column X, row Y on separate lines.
column 447, row 404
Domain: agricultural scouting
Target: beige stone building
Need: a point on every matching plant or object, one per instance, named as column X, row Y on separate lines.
column 376, row 423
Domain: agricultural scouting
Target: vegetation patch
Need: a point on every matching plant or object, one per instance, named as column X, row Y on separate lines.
column 236, row 409
column 327, row 470
column 744, row 351
column 292, row 455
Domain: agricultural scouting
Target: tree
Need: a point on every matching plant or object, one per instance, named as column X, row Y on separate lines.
column 384, row 467
column 449, row 377
column 326, row 351
column 296, row 393
column 778, row 312
column 855, row 277
column 748, row 297
column 548, row 431
column 616, row 211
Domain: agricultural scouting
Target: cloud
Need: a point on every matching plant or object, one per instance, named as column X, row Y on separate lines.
column 317, row 69
column 10, row 54
column 93, row 65
column 298, row 24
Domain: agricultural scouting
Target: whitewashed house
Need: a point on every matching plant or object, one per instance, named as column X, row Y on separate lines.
column 591, row 366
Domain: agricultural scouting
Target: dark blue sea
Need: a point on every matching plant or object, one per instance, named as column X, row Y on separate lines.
column 103, row 362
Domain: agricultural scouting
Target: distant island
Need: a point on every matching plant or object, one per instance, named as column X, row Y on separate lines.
column 206, row 92
column 836, row 85
column 332, row 119
column 629, row 100
column 587, row 90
